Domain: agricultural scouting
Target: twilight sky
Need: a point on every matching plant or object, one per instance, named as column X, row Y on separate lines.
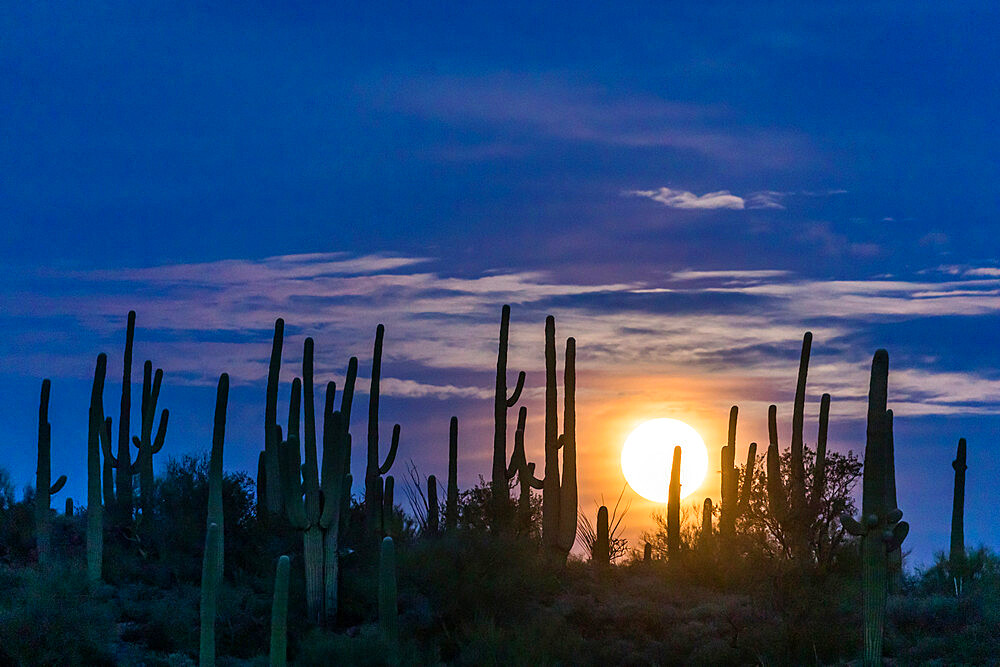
column 686, row 190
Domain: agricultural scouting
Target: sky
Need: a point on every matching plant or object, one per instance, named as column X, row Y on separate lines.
column 687, row 189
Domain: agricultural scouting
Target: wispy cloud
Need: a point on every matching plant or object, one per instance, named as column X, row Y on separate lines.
column 722, row 199
column 688, row 200
column 740, row 324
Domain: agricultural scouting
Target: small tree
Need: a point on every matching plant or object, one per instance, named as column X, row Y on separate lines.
column 762, row 530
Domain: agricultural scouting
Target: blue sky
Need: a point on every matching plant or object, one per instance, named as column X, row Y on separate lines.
column 687, row 189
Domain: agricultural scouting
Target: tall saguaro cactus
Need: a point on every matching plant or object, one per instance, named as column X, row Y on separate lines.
column 795, row 507
column 559, row 496
column 501, row 403
column 674, row 506
column 271, row 481
column 956, row 556
column 146, row 443
column 451, row 501
column 124, row 465
column 734, row 498
column 44, row 489
column 374, row 470
column 705, row 538
column 314, row 506
column 95, row 512
column 880, row 528
column 215, row 465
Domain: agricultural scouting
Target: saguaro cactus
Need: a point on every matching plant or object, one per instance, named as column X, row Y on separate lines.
column 956, row 558
column 674, row 506
column 374, row 470
column 525, row 473
column 95, row 512
column 146, row 443
column 602, row 544
column 432, row 505
column 451, row 502
column 794, row 508
column 501, row 403
column 44, row 489
column 735, row 499
column 124, row 465
column 279, row 615
column 880, row 529
column 705, row 538
column 270, row 485
column 315, row 507
column 559, row 496
column 215, row 465
column 388, row 609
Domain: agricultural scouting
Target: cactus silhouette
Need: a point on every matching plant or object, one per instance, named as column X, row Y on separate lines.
column 705, row 540
column 880, row 529
column 501, row 403
column 374, row 510
column 146, row 443
column 674, row 506
column 956, row 556
column 602, row 545
column 793, row 507
column 95, row 511
column 451, row 502
column 44, row 488
column 735, row 499
column 269, row 486
column 432, row 505
column 210, row 582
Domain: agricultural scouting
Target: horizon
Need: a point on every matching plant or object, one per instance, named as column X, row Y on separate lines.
column 687, row 202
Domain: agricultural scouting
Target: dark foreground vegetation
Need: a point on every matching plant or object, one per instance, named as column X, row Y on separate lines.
column 199, row 566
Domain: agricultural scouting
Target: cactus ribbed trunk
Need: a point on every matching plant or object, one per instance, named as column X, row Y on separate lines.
column 279, row 615
column 874, row 574
column 210, row 581
column 312, row 552
column 957, row 552
column 387, row 605
column 95, row 512
column 674, row 507
column 451, row 506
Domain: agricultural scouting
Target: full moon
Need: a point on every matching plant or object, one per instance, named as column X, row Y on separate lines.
column 649, row 450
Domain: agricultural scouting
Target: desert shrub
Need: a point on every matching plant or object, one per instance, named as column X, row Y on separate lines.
column 51, row 618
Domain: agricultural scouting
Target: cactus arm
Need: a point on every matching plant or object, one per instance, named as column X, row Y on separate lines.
column 347, row 397
column 279, row 615
column 851, row 525
column 747, row 479
column 819, row 470
column 517, row 457
column 391, row 457
column 57, row 487
column 518, row 387
column 161, row 432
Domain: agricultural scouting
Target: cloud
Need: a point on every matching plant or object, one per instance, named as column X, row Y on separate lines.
column 688, row 200
column 737, row 326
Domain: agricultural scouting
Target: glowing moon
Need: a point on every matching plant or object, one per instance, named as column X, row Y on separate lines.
column 649, row 450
